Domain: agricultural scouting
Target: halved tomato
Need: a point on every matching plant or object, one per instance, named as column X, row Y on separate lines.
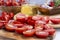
column 29, row 33
column 46, row 19
column 42, row 34
column 20, row 30
column 50, row 31
column 55, row 20
column 10, row 27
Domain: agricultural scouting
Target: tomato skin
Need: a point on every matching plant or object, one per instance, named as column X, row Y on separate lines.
column 37, row 17
column 28, row 27
column 50, row 31
column 10, row 28
column 15, row 4
column 21, row 18
column 4, row 13
column 31, row 22
column 20, row 30
column 8, row 3
column 42, row 34
column 55, row 20
column 46, row 19
column 11, row 15
column 28, row 33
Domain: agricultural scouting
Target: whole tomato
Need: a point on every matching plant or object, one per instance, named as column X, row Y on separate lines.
column 42, row 34
column 29, row 33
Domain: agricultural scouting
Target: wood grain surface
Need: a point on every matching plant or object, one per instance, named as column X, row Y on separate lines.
column 5, row 35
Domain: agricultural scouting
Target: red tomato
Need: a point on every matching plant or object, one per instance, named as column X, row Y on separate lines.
column 37, row 17
column 1, row 2
column 31, row 22
column 38, row 28
column 21, row 17
column 16, row 22
column 14, row 3
column 55, row 20
column 8, row 3
column 38, row 22
column 46, row 27
column 10, row 27
column 11, row 15
column 20, row 30
column 7, row 18
column 4, row 13
column 50, row 31
column 42, row 34
column 46, row 19
column 29, row 33
column 28, row 27
column 4, row 22
column 1, row 25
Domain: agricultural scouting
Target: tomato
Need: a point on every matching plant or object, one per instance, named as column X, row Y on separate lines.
column 20, row 30
column 4, row 13
column 55, row 20
column 50, row 31
column 11, row 15
column 16, row 22
column 15, row 4
column 21, row 17
column 28, row 27
column 38, row 22
column 6, row 18
column 4, row 22
column 46, row 27
column 38, row 28
column 31, row 22
column 42, row 34
column 37, row 17
column 46, row 19
column 8, row 3
column 1, row 2
column 1, row 25
column 10, row 27
column 29, row 33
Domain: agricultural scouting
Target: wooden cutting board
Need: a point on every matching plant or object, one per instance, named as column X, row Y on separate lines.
column 5, row 35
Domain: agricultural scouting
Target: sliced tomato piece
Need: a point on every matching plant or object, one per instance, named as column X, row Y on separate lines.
column 55, row 20
column 20, row 17
column 50, row 31
column 29, row 33
column 28, row 27
column 37, row 17
column 42, row 34
column 20, row 30
column 46, row 19
column 10, row 27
